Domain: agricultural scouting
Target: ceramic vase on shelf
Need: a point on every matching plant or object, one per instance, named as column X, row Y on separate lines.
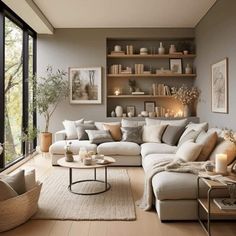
column 188, row 69
column 161, row 49
column 172, row 49
column 113, row 114
column 186, row 110
column 119, row 111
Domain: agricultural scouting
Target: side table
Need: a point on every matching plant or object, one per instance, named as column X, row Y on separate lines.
column 208, row 205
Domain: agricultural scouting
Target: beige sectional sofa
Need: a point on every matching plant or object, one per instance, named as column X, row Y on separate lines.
column 175, row 193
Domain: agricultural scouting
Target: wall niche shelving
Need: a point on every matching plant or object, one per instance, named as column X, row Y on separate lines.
column 122, row 67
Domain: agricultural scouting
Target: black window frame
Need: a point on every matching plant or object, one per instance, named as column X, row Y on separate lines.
column 5, row 11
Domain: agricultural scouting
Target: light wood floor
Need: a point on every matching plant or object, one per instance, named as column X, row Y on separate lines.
column 147, row 223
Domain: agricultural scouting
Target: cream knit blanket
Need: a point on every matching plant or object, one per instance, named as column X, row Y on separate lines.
column 177, row 165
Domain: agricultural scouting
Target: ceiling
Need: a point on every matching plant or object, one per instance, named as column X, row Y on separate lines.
column 115, row 14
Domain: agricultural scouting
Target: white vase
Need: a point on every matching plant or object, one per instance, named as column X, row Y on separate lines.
column 119, row 111
column 186, row 111
column 113, row 114
column 172, row 49
column 161, row 49
column 188, row 69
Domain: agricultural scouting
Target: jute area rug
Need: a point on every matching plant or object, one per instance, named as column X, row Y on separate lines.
column 56, row 202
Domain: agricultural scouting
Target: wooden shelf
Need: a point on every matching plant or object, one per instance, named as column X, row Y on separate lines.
column 156, row 56
column 149, row 75
column 138, row 96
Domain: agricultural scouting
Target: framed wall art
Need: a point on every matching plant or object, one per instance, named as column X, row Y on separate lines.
column 130, row 109
column 176, row 65
column 149, row 106
column 219, row 86
column 85, row 85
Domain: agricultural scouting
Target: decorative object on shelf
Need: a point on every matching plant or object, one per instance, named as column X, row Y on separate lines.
column 161, row 49
column 176, row 65
column 113, row 114
column 82, row 153
column 49, row 92
column 186, row 96
column 132, row 85
column 130, row 110
column 151, row 114
column 219, row 86
column 144, row 113
column 85, row 85
column 185, row 46
column 188, row 69
column 185, row 52
column 117, row 92
column 124, row 115
column 221, row 164
column 149, row 106
column 69, row 153
column 119, row 111
column 143, row 51
column 117, row 48
column 172, row 49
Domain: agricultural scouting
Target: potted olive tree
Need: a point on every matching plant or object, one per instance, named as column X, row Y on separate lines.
column 50, row 90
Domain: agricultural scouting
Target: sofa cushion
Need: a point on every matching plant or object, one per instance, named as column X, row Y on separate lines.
column 119, row 148
column 132, row 134
column 131, row 123
column 99, row 124
column 99, row 136
column 191, row 135
column 59, row 147
column 70, row 128
column 172, row 134
column 6, row 191
column 80, row 129
column 208, row 140
column 151, row 159
column 181, row 122
column 189, row 151
column 153, row 133
column 114, row 130
column 159, row 148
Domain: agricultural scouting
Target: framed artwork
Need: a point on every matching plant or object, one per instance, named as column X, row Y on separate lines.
column 130, row 109
column 85, row 85
column 219, row 86
column 149, row 106
column 176, row 65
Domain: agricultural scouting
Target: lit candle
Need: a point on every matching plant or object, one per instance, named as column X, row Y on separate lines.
column 221, row 163
column 117, row 92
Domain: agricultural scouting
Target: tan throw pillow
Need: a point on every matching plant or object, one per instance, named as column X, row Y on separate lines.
column 6, row 191
column 114, row 131
column 16, row 181
column 153, row 133
column 225, row 147
column 208, row 140
column 189, row 151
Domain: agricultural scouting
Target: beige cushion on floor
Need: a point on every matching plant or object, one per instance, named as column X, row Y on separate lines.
column 224, row 147
column 59, row 146
column 6, row 191
column 156, row 148
column 16, row 181
column 153, row 133
column 208, row 140
column 119, row 148
column 189, row 151
column 30, row 180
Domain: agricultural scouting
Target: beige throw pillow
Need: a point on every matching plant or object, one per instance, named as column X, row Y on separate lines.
column 70, row 128
column 153, row 133
column 208, row 140
column 114, row 131
column 30, row 179
column 225, row 147
column 189, row 151
column 6, row 191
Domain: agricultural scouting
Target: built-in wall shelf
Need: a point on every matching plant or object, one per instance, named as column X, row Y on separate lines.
column 151, row 56
column 138, row 96
column 150, row 75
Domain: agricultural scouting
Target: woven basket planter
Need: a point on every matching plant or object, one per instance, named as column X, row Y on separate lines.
column 16, row 211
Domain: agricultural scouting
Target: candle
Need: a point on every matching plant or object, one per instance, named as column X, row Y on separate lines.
column 117, row 92
column 221, row 163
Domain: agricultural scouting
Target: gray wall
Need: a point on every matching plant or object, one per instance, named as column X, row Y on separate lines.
column 83, row 48
column 215, row 40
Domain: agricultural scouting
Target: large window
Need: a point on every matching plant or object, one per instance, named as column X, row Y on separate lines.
column 17, row 65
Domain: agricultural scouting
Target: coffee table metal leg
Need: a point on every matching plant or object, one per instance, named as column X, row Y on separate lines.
column 95, row 174
column 70, row 178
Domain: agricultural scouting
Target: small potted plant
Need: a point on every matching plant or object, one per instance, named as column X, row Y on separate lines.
column 186, row 96
column 50, row 90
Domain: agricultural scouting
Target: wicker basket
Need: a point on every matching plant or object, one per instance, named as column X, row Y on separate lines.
column 18, row 210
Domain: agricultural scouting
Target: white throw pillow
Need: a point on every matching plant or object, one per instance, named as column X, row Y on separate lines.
column 30, row 180
column 150, row 121
column 194, row 126
column 131, row 123
column 189, row 151
column 70, row 128
column 153, row 133
column 181, row 122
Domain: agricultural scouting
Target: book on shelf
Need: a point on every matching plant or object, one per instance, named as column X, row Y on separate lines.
column 138, row 68
column 117, row 69
column 160, row 111
column 118, row 53
column 161, row 90
column 129, row 50
column 138, row 93
column 226, row 203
